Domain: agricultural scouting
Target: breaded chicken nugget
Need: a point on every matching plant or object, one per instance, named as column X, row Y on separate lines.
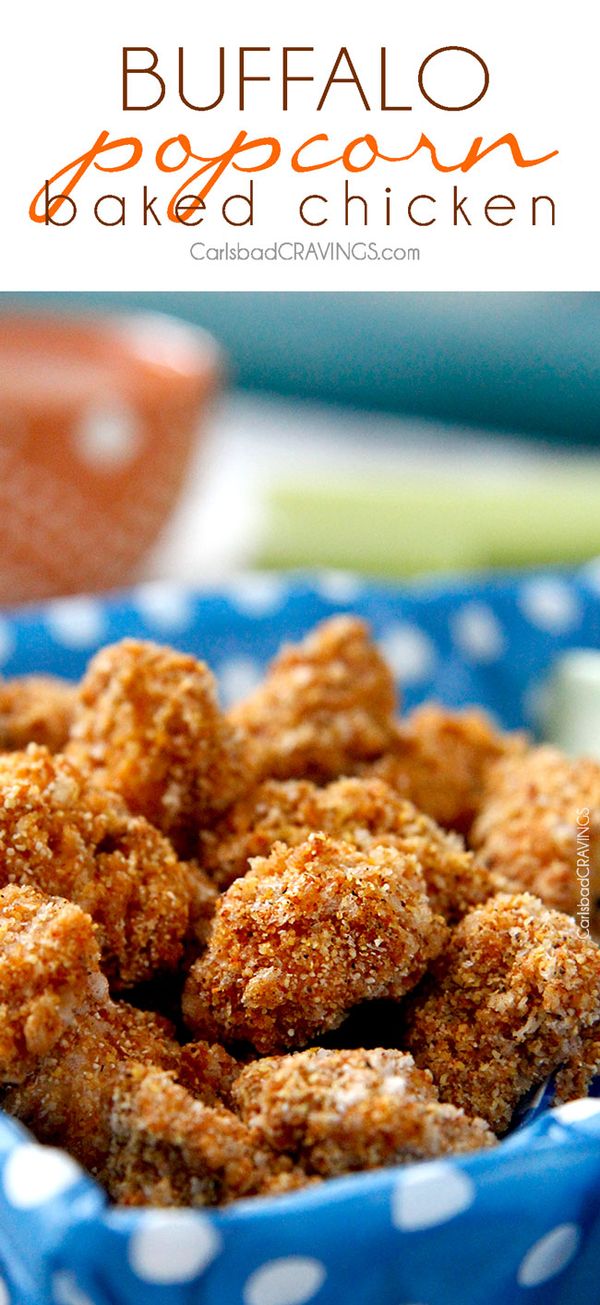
column 364, row 812
column 63, row 835
column 208, row 1071
column 337, row 1111
column 575, row 1077
column 304, row 936
column 49, row 972
column 325, row 705
column 167, row 1149
column 507, row 1004
column 149, row 725
column 439, row 759
column 539, row 826
column 36, row 709
column 67, row 1099
column 107, row 1091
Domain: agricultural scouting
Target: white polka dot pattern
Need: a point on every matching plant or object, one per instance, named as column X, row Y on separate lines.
column 550, row 604
column 164, row 606
column 576, row 1112
column 590, row 574
column 172, row 1246
column 549, row 1256
column 66, row 1291
column 76, row 622
column 256, row 595
column 292, row 1280
column 431, row 1195
column 409, row 652
column 237, row 678
column 7, row 641
column 477, row 633
column 340, row 587
column 5, row 1298
column 34, row 1174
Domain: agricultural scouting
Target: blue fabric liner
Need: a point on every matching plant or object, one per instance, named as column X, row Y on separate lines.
column 518, row 1224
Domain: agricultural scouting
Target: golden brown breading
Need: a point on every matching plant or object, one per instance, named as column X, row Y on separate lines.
column 36, row 709
column 107, row 1091
column 49, row 972
column 337, row 1111
column 326, row 705
column 167, row 1149
column 364, row 812
column 539, row 826
column 507, row 1004
column 207, row 1071
column 575, row 1077
column 68, row 838
column 439, row 759
column 67, row 1099
column 304, row 936
column 149, row 725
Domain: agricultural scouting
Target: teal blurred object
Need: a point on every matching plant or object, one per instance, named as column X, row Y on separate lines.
column 527, row 363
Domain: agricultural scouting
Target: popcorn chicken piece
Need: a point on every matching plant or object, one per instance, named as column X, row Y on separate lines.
column 507, row 1003
column 364, row 812
column 49, row 972
column 539, row 826
column 439, row 760
column 338, row 1111
column 149, row 726
column 67, row 1099
column 575, row 1077
column 167, row 1149
column 308, row 933
column 35, row 709
column 325, row 705
column 107, row 1091
column 61, row 834
column 208, row 1071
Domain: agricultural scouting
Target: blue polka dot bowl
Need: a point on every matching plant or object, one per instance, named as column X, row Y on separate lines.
column 520, row 1224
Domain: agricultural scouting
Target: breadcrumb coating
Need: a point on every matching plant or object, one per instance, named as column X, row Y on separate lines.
column 66, row 837
column 575, row 1077
column 363, row 812
column 108, row 1092
column 208, row 1071
column 67, row 1099
column 326, row 705
column 338, row 1111
column 506, row 1004
column 149, row 725
column 168, row 1149
column 308, row 933
column 439, row 759
column 49, row 972
column 539, row 826
column 36, row 709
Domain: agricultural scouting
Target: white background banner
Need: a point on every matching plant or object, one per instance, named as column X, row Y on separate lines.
column 412, row 197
